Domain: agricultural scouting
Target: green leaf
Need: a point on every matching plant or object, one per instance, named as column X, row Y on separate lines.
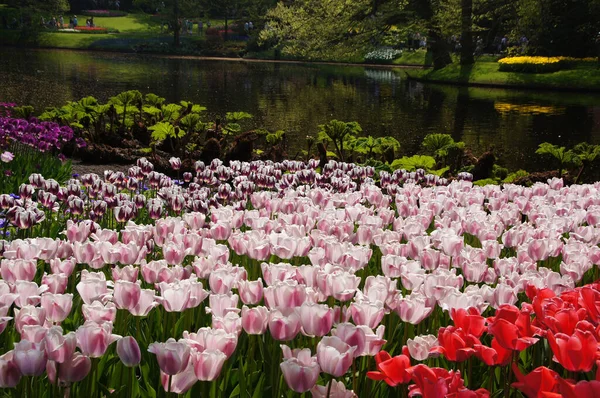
column 235, row 117
column 154, row 100
column 275, row 138
column 151, row 110
column 258, row 391
column 162, row 130
column 439, row 172
column 126, row 98
column 414, row 162
column 171, row 111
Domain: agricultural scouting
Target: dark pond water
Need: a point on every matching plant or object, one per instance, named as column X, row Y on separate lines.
column 297, row 98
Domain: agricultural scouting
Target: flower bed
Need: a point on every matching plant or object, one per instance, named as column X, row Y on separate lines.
column 274, row 278
column 385, row 55
column 89, row 29
column 104, row 13
column 34, row 147
column 530, row 64
column 540, row 64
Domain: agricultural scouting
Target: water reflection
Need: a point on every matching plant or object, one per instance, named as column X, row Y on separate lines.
column 297, row 98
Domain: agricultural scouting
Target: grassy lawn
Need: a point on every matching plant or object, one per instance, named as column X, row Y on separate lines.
column 420, row 57
column 585, row 76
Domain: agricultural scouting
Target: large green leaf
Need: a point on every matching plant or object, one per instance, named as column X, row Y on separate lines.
column 162, row 130
column 414, row 162
column 126, row 98
column 154, row 100
column 235, row 117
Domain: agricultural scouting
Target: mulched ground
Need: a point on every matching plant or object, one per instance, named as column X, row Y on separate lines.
column 81, row 169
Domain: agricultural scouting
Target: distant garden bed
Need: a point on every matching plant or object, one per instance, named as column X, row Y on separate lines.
column 104, row 13
column 527, row 64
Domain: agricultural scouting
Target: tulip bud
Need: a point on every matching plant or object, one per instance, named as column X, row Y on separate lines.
column 129, row 351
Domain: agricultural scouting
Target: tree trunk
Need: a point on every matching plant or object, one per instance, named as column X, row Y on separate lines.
column 439, row 49
column 466, row 41
column 437, row 44
column 176, row 25
column 226, row 24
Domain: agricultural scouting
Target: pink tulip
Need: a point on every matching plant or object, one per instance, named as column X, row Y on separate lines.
column 335, row 357
column 28, row 293
column 151, row 270
column 34, row 333
column 373, row 341
column 126, row 294
column 129, row 351
column 145, row 303
column 212, row 339
column 379, row 288
column 128, row 273
column 452, row 244
column 255, row 320
column 92, row 286
column 208, row 364
column 351, row 335
column 220, row 231
column 30, row 357
column 56, row 283
column 300, row 371
column 285, row 295
column 284, row 324
column 173, row 356
column 337, row 390
column 174, row 296
column 75, row 368
column 84, row 252
column 99, row 313
column 58, row 266
column 538, row 249
column 29, row 315
column 221, row 304
column 58, row 347
column 174, row 253
column 251, row 292
column 221, row 281
column 181, row 382
column 231, row 323
column 57, row 306
column 420, row 347
column 367, row 313
column 94, row 339
column 413, row 309
column 10, row 375
column 18, row 270
column 316, row 319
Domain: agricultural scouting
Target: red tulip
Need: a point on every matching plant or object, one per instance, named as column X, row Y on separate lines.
column 575, row 353
column 455, row 344
column 469, row 320
column 542, row 382
column 391, row 370
column 494, row 356
column 512, row 328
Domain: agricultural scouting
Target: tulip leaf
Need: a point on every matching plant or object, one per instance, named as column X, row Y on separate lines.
column 258, row 392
